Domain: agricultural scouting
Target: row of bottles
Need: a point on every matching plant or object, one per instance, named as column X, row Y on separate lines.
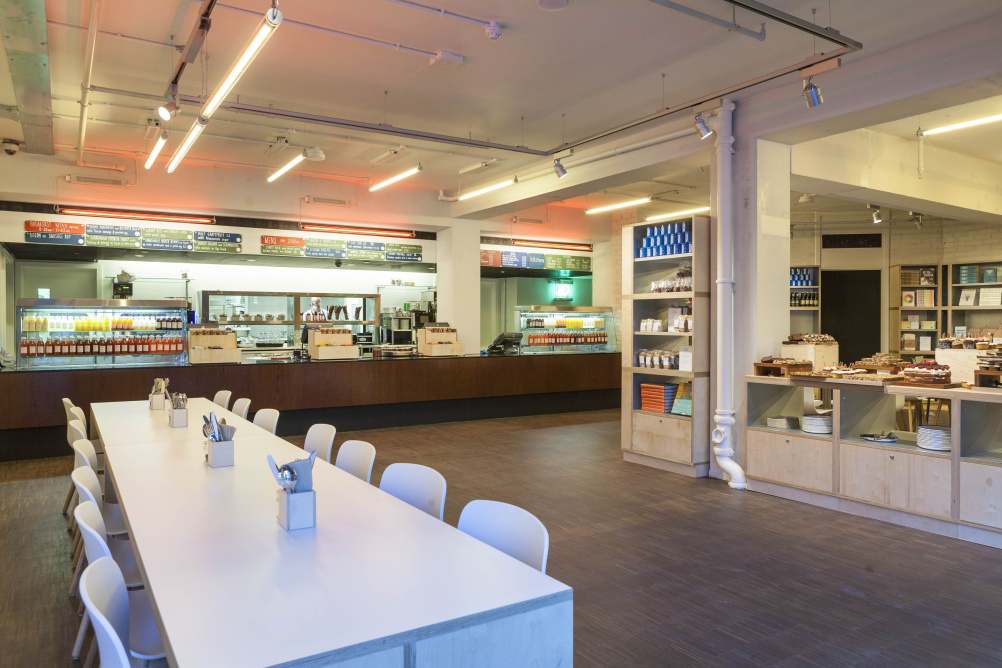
column 59, row 323
column 66, row 345
column 804, row 299
column 562, row 322
column 567, row 339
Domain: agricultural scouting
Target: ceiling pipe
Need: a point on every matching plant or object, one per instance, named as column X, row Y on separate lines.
column 827, row 34
column 444, row 13
column 116, row 35
column 95, row 10
column 730, row 25
column 372, row 41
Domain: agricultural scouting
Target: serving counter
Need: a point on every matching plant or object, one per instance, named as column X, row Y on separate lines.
column 351, row 394
column 952, row 486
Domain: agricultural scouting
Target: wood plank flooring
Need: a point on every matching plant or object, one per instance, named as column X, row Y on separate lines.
column 666, row 570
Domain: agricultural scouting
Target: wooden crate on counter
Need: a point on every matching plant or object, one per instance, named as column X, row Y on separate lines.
column 223, row 348
column 781, row 369
column 439, row 344
column 326, row 346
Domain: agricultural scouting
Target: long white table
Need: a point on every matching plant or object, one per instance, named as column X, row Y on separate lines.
column 376, row 583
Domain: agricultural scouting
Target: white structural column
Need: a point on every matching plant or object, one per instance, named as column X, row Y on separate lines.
column 723, row 416
column 458, row 281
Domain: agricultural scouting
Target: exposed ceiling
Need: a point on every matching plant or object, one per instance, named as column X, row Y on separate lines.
column 569, row 73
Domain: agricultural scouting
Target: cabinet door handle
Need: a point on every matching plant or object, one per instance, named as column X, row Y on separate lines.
column 892, row 456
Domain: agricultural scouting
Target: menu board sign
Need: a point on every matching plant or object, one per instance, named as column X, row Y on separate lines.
column 404, row 248
column 217, row 247
column 490, row 258
column 365, row 254
column 568, row 262
column 514, row 259
column 220, row 237
column 269, row 240
column 113, row 241
column 403, row 257
column 53, row 227
column 168, row 244
column 326, row 242
column 61, row 238
column 112, row 231
column 537, row 261
column 166, row 233
column 367, row 245
column 272, row 249
column 338, row 253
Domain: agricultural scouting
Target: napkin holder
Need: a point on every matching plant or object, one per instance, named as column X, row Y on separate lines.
column 297, row 510
column 219, row 453
column 176, row 417
column 157, row 402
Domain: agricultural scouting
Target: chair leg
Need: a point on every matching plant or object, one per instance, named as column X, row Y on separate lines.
column 91, row 653
column 81, row 634
column 69, row 497
column 77, row 546
column 76, row 576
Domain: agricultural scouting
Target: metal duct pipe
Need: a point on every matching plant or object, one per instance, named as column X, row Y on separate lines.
column 95, row 9
column 722, row 438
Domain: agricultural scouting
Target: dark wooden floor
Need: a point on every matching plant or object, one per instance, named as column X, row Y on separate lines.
column 666, row 570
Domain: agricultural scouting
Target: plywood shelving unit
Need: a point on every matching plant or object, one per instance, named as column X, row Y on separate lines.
column 676, row 443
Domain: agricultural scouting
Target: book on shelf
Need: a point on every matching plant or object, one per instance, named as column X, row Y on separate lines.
column 683, row 400
column 927, row 276
column 908, row 298
column 925, row 343
column 967, row 297
column 991, row 297
column 989, row 274
column 907, row 342
column 960, row 331
column 925, row 298
column 914, row 321
column 685, row 358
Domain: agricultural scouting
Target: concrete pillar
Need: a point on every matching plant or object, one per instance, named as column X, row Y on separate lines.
column 459, row 281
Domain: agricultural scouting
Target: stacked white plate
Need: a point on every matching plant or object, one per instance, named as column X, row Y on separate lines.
column 783, row 422
column 934, row 438
column 817, row 424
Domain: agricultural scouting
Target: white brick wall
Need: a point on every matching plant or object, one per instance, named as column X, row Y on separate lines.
column 945, row 242
column 805, row 245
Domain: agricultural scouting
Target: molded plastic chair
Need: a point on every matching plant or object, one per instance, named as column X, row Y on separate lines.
column 320, row 439
column 89, row 489
column 420, row 486
column 67, row 405
column 84, row 455
column 267, row 418
column 119, row 615
column 513, row 530
column 222, row 398
column 356, row 457
column 240, row 407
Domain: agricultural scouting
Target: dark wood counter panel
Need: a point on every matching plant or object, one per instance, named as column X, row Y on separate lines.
column 31, row 399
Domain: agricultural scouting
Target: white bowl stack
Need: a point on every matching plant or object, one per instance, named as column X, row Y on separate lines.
column 783, row 422
column 934, row 438
column 817, row 424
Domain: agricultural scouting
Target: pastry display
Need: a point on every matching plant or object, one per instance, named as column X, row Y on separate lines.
column 811, row 374
column 816, row 339
column 882, row 359
column 863, row 377
column 927, row 372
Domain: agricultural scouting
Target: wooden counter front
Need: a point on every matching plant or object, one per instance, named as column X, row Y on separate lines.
column 31, row 399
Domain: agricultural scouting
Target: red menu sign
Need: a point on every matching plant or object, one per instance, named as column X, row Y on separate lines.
column 268, row 240
column 52, row 226
column 490, row 258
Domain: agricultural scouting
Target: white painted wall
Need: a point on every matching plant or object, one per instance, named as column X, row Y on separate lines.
column 459, row 282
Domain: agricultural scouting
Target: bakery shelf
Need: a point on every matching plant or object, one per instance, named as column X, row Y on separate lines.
column 680, row 256
column 661, row 295
column 674, row 373
column 805, row 308
column 227, row 323
column 678, row 334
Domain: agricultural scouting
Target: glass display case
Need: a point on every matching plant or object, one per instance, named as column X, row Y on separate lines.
column 550, row 329
column 273, row 320
column 75, row 333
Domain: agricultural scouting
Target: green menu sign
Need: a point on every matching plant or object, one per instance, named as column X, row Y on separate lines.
column 403, row 248
column 165, row 233
column 339, row 244
column 568, row 262
column 282, row 250
column 217, row 247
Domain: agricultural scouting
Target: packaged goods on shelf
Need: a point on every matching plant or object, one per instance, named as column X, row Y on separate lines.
column 665, row 239
column 657, row 398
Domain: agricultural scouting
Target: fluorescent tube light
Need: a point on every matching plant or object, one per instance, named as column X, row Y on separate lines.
column 398, row 177
column 677, row 214
column 371, row 232
column 289, row 165
column 189, row 139
column 488, row 189
column 136, row 215
column 552, row 244
column 161, row 142
column 966, row 124
column 621, row 205
column 272, row 19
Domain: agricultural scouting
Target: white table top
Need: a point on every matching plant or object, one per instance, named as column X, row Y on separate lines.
column 231, row 587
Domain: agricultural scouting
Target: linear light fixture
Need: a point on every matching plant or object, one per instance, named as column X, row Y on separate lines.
column 161, row 142
column 189, row 139
column 137, row 215
column 488, row 189
column 552, row 244
column 965, row 124
column 398, row 177
column 272, row 19
column 289, row 165
column 370, row 232
column 621, row 205
column 677, row 214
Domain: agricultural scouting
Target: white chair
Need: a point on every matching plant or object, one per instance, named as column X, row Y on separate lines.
column 119, row 615
column 320, row 439
column 76, row 431
column 240, row 407
column 516, row 532
column 356, row 457
column 222, row 398
column 420, row 486
column 89, row 489
column 67, row 405
column 81, row 417
column 267, row 418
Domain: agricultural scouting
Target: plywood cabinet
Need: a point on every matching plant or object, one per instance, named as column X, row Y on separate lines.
column 665, row 437
column 890, row 477
column 981, row 498
column 790, row 459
